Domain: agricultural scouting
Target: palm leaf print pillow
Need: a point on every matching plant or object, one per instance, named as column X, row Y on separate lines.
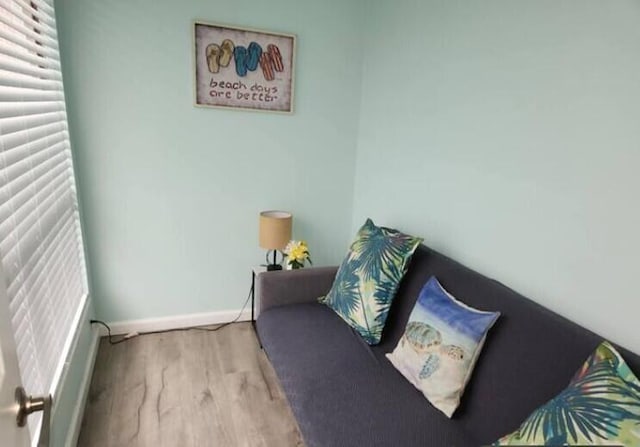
column 441, row 343
column 601, row 406
column 368, row 278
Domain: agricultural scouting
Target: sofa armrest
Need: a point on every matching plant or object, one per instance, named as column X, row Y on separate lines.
column 294, row 286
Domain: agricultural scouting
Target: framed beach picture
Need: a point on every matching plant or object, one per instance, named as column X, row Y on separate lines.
column 243, row 68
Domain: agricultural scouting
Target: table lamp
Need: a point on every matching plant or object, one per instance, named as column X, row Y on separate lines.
column 275, row 234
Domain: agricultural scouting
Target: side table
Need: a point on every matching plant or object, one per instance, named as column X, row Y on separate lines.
column 255, row 271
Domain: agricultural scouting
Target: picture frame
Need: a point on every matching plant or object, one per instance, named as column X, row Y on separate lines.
column 243, row 68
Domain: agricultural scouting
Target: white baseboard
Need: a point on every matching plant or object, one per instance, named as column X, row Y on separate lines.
column 78, row 410
column 175, row 322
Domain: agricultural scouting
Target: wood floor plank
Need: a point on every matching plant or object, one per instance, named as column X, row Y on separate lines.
column 99, row 399
column 187, row 388
column 130, row 392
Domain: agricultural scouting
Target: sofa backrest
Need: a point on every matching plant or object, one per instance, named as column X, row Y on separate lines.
column 529, row 356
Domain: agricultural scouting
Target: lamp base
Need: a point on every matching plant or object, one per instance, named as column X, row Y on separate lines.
column 272, row 264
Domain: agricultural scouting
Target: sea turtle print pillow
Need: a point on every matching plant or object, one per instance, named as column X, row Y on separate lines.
column 601, row 406
column 441, row 343
column 368, row 278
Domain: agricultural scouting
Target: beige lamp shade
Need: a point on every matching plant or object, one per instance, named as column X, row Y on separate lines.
column 275, row 229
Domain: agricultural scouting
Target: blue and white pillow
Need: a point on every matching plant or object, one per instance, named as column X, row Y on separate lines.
column 441, row 343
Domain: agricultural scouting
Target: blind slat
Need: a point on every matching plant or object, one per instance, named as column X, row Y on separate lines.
column 30, row 237
column 51, row 263
column 20, row 71
column 23, row 44
column 12, row 94
column 23, row 172
column 23, row 81
column 44, row 191
column 49, row 288
column 23, row 123
column 46, row 37
column 26, row 55
column 14, row 197
column 19, row 146
column 32, row 217
column 11, row 109
column 43, row 9
column 29, row 13
column 21, row 282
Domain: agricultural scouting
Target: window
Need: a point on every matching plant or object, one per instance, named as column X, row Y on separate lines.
column 41, row 248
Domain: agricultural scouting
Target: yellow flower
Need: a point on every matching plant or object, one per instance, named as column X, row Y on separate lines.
column 297, row 253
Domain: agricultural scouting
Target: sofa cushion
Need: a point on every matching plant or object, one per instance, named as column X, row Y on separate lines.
column 600, row 406
column 344, row 392
column 368, row 278
column 441, row 343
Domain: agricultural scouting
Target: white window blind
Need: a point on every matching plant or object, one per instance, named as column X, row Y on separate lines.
column 41, row 246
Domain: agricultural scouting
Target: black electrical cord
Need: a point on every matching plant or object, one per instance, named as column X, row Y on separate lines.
column 108, row 330
column 196, row 328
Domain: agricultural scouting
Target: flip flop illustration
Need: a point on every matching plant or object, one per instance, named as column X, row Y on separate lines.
column 255, row 52
column 276, row 57
column 213, row 57
column 226, row 47
column 240, row 54
column 266, row 63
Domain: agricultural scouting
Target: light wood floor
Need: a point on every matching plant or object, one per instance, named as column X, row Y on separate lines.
column 184, row 389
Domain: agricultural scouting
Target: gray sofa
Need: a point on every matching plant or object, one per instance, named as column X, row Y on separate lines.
column 346, row 393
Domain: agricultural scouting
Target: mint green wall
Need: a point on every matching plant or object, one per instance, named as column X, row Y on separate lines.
column 507, row 134
column 171, row 192
column 503, row 132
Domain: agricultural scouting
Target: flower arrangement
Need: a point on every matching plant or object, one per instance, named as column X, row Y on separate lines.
column 297, row 253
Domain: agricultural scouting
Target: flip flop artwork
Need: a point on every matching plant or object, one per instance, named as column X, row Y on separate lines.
column 227, row 48
column 240, row 54
column 246, row 59
column 276, row 57
column 213, row 58
column 255, row 52
column 267, row 65
column 243, row 68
